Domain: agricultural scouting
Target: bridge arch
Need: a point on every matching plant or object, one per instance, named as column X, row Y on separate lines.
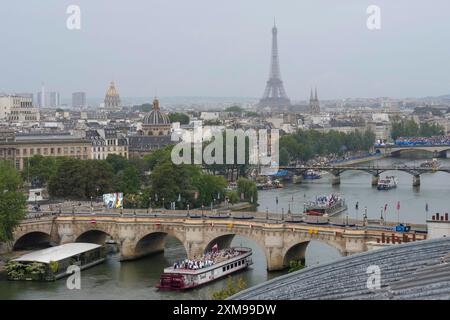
column 224, row 238
column 153, row 242
column 297, row 249
column 33, row 240
column 94, row 236
column 295, row 252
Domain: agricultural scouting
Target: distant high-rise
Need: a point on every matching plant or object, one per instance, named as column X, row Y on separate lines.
column 53, row 99
column 40, row 97
column 112, row 98
column 274, row 94
column 79, row 99
column 48, row 99
column 314, row 106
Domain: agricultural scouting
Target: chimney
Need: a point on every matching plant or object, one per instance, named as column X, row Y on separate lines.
column 446, row 216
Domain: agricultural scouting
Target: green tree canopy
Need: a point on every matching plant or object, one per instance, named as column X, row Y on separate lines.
column 12, row 201
column 182, row 118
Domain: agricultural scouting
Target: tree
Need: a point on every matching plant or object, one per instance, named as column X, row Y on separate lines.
column 158, row 156
column 295, row 265
column 146, row 107
column 231, row 289
column 234, row 109
column 117, row 162
column 12, row 201
column 182, row 118
column 248, row 189
column 80, row 179
column 209, row 188
column 38, row 169
column 128, row 180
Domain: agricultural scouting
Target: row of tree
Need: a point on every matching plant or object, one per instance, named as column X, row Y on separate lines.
column 167, row 183
column 409, row 128
column 305, row 144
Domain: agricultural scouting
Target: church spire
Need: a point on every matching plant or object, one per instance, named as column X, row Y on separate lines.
column 315, row 95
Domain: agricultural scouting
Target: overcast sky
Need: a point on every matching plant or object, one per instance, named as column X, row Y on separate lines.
column 222, row 48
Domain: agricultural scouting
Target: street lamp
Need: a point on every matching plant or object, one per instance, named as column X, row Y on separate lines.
column 98, row 189
column 150, row 203
column 163, row 202
column 188, row 209
column 202, row 209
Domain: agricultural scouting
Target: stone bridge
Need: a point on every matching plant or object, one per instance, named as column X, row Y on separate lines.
column 396, row 150
column 138, row 235
column 374, row 170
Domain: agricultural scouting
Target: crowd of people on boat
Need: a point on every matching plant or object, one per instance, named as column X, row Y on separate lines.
column 435, row 140
column 208, row 259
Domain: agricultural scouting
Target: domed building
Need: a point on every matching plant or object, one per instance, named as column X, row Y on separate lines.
column 156, row 123
column 154, row 134
column 112, row 98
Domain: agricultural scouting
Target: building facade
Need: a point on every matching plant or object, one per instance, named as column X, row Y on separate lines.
column 19, row 147
column 107, row 142
column 18, row 109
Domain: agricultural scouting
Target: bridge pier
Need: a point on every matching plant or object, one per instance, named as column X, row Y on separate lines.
column 335, row 180
column 375, row 179
column 416, row 181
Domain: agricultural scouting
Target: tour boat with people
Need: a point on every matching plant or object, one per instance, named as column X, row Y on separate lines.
column 311, row 174
column 432, row 164
column 213, row 265
column 325, row 205
column 389, row 182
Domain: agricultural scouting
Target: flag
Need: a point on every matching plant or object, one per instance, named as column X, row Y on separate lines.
column 426, row 207
column 179, row 197
column 276, row 200
column 398, row 205
column 357, row 205
column 215, row 247
column 385, row 207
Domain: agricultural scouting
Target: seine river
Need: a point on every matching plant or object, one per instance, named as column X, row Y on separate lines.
column 137, row 279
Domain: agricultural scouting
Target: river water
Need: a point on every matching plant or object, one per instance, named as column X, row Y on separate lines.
column 137, row 279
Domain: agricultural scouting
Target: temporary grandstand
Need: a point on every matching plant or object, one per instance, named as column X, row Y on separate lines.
column 416, row 270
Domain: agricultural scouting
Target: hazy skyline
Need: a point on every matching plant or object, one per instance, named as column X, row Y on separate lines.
column 210, row 48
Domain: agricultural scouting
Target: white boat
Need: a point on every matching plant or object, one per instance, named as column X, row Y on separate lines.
column 189, row 274
column 325, row 205
column 389, row 182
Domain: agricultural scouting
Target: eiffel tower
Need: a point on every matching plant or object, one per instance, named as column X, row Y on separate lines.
column 274, row 94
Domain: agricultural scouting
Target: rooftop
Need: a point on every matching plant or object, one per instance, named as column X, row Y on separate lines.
column 57, row 253
column 415, row 270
